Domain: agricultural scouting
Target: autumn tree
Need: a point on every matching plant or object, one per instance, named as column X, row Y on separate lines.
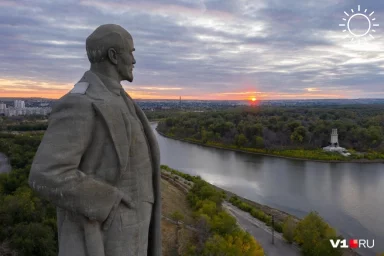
column 289, row 227
column 313, row 234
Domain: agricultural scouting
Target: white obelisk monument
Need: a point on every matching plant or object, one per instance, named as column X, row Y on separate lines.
column 334, row 138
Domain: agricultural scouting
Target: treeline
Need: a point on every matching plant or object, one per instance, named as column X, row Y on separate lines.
column 162, row 114
column 27, row 223
column 218, row 232
column 23, row 123
column 26, row 127
column 360, row 128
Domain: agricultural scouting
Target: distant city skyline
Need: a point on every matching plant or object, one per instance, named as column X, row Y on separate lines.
column 199, row 50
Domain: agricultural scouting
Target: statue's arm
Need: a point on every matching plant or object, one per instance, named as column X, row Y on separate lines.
column 54, row 173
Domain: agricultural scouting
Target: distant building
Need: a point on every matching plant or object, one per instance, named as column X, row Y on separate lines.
column 25, row 111
column 334, row 144
column 3, row 106
column 10, row 112
column 19, row 104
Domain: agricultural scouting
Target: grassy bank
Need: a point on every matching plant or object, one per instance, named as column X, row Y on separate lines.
column 258, row 211
column 300, row 154
column 175, row 238
column 217, row 231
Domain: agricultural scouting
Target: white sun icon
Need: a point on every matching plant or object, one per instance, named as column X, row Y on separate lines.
column 362, row 33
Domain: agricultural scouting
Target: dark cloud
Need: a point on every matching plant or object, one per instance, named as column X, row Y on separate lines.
column 211, row 46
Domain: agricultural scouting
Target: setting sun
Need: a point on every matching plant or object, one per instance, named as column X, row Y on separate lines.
column 253, row 99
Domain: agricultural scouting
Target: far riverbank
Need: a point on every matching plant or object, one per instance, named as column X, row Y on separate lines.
column 233, row 148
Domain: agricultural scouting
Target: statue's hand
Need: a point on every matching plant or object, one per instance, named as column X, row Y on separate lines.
column 128, row 202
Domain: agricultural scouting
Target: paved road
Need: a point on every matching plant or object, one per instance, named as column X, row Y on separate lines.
column 262, row 233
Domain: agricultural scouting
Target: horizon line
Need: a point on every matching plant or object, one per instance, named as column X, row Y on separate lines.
column 213, row 99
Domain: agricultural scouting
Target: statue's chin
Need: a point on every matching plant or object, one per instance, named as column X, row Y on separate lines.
column 128, row 78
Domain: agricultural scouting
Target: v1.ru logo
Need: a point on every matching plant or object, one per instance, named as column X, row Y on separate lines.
column 353, row 243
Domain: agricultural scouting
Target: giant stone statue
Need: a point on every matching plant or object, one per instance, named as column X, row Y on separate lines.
column 99, row 159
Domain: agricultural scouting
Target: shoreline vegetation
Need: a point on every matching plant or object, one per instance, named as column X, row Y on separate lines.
column 217, row 231
column 296, row 132
column 298, row 154
column 291, row 227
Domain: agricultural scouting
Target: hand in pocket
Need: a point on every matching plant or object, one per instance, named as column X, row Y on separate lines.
column 127, row 201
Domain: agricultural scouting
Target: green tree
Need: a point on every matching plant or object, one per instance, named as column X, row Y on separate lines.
column 313, row 234
column 34, row 239
column 223, row 223
column 299, row 134
column 240, row 140
column 207, row 207
column 289, row 227
column 238, row 243
column 258, row 142
column 293, row 125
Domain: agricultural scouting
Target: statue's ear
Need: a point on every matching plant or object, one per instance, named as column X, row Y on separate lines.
column 112, row 56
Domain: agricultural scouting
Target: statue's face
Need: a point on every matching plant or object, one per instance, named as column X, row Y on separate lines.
column 126, row 61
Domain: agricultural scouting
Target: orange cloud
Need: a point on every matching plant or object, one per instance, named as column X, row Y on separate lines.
column 25, row 88
column 248, row 95
column 313, row 89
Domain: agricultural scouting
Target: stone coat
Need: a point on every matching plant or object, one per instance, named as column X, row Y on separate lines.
column 78, row 164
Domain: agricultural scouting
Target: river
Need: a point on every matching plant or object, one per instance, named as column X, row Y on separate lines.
column 349, row 196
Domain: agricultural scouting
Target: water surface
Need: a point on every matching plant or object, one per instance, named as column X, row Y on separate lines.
column 349, row 196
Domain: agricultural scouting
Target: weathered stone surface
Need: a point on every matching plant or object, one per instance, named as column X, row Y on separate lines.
column 99, row 160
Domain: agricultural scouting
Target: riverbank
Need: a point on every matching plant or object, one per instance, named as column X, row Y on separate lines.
column 185, row 181
column 210, row 215
column 275, row 154
column 177, row 234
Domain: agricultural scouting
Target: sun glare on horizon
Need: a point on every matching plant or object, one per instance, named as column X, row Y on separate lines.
column 253, row 99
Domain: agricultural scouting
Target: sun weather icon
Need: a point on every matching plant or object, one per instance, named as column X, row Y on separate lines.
column 360, row 25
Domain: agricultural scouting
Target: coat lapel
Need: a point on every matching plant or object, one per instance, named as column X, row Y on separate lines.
column 112, row 118
column 152, row 141
column 117, row 131
column 154, row 238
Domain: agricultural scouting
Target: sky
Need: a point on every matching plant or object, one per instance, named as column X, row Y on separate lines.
column 201, row 49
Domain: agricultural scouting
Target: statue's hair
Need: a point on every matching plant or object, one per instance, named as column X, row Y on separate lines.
column 102, row 39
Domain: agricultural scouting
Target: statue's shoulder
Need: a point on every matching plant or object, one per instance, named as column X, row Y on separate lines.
column 75, row 100
column 80, row 88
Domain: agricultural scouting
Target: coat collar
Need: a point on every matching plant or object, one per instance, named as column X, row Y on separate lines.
column 111, row 84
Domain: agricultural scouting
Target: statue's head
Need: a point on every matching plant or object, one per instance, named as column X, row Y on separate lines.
column 111, row 46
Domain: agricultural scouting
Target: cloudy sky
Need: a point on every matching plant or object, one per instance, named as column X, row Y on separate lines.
column 200, row 49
